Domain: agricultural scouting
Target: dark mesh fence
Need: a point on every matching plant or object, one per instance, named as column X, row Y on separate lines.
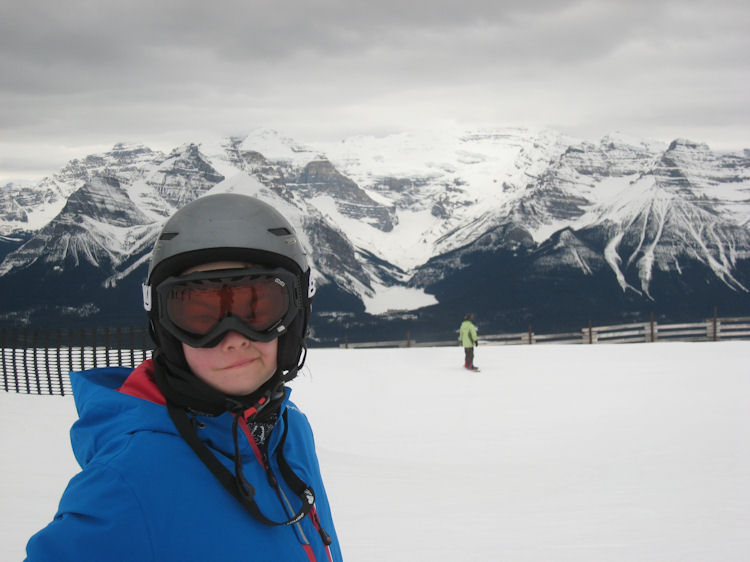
column 34, row 361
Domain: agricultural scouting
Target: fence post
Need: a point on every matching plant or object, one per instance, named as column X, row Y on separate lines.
column 408, row 339
column 531, row 335
column 59, row 370
column 3, row 339
column 653, row 332
column 35, row 350
column 145, row 341
column 132, row 345
column 106, row 346
column 94, row 332
column 716, row 325
column 14, row 347
column 118, row 337
column 70, row 349
column 591, row 333
column 45, row 348
column 82, row 343
column 25, row 358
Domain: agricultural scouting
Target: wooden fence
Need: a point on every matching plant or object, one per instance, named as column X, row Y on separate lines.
column 713, row 329
column 38, row 361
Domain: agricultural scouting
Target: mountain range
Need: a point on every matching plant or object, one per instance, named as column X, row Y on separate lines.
column 407, row 232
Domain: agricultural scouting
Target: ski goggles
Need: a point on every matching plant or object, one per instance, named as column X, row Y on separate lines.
column 200, row 308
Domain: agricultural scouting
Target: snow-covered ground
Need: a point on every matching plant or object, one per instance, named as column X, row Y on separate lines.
column 636, row 452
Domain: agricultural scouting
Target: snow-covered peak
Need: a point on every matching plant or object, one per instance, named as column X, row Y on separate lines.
column 277, row 147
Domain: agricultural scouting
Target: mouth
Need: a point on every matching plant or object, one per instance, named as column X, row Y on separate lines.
column 240, row 363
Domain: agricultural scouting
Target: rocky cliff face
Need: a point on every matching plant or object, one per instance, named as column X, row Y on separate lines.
column 98, row 225
column 183, row 176
column 320, row 178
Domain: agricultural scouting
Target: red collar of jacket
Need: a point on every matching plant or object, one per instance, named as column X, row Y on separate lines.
column 140, row 383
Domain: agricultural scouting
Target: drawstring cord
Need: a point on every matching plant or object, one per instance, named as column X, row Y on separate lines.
column 243, row 486
column 235, row 483
column 242, row 483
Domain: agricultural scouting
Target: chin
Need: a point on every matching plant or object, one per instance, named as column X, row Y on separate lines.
column 244, row 389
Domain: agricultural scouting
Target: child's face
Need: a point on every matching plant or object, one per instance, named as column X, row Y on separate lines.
column 236, row 365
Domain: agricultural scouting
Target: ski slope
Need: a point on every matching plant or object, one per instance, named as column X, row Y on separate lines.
column 551, row 453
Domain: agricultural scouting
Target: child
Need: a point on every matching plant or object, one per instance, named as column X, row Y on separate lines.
column 198, row 454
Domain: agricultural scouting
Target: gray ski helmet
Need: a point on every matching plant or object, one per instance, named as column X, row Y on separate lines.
column 226, row 221
column 229, row 227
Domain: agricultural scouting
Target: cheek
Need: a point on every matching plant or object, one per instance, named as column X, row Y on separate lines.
column 198, row 358
column 268, row 351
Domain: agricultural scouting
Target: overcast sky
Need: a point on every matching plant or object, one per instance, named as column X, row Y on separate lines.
column 78, row 76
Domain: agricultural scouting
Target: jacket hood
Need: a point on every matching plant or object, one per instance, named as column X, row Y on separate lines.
column 108, row 417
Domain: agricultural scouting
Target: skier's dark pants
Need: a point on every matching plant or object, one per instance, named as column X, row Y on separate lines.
column 469, row 351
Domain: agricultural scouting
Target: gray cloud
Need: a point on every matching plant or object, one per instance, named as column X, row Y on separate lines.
column 85, row 74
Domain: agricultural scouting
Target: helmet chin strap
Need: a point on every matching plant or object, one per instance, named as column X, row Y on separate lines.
column 270, row 393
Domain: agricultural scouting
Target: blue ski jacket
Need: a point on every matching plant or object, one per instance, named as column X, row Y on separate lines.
column 144, row 495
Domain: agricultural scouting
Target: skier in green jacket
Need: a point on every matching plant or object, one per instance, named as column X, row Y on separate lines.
column 468, row 336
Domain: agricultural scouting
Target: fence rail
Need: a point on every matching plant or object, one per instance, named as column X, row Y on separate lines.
column 712, row 329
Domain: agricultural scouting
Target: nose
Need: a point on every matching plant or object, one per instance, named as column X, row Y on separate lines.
column 234, row 340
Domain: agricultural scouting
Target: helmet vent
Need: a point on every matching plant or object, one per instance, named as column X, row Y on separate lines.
column 282, row 231
column 168, row 235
